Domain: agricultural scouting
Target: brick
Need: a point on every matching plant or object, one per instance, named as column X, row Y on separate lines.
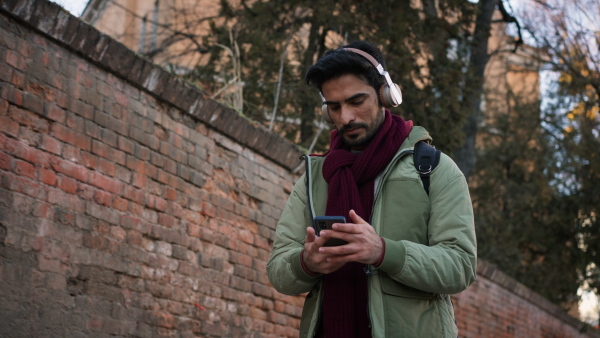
column 104, row 150
column 63, row 100
column 134, row 164
column 139, row 181
column 97, row 242
column 28, row 119
column 171, row 165
column 120, row 204
column 81, row 108
column 50, row 265
column 150, row 170
column 54, row 79
column 70, row 202
column 15, row 60
column 89, row 160
column 76, row 123
column 71, row 153
column 106, row 167
column 125, row 145
column 54, row 112
column 18, row 79
column 166, row 220
column 9, row 126
column 70, row 169
column 92, row 129
column 133, row 194
column 106, row 183
column 6, row 161
column 68, row 185
column 76, row 139
column 103, row 198
column 159, row 319
column 33, row 103
column 6, row 72
column 160, row 204
column 47, row 177
column 11, row 94
column 142, row 153
column 108, row 137
column 51, row 144
column 25, row 169
column 121, row 99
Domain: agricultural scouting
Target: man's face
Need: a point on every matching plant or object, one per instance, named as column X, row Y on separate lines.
column 354, row 108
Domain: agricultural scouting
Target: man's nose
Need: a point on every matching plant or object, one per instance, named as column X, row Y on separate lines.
column 346, row 114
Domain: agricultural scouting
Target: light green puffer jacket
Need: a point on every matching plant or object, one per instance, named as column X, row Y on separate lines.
column 430, row 247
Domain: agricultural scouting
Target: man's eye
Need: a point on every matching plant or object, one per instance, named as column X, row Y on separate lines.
column 357, row 103
column 334, row 107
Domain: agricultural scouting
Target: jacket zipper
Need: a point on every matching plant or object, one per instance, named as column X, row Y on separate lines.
column 367, row 268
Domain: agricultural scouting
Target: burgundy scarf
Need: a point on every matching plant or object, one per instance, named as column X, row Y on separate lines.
column 351, row 179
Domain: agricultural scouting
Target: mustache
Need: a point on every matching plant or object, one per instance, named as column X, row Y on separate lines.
column 353, row 125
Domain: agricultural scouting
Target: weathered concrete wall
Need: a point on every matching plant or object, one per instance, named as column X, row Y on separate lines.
column 131, row 205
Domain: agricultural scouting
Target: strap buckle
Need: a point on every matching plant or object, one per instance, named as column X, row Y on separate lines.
column 425, row 171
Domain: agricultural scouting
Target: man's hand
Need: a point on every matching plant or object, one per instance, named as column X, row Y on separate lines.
column 313, row 259
column 364, row 246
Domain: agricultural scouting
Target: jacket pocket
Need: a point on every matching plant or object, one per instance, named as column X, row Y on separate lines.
column 394, row 288
column 409, row 312
column 447, row 316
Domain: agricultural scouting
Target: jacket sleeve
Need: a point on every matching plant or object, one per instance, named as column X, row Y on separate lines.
column 448, row 264
column 284, row 268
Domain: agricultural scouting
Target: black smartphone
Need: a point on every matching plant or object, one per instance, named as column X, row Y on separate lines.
column 325, row 223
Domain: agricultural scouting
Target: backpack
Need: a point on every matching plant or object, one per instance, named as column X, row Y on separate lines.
column 426, row 158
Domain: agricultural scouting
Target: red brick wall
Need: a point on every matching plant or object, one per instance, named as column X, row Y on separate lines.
column 496, row 305
column 131, row 205
column 119, row 211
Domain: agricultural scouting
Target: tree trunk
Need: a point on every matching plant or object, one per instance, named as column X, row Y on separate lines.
column 315, row 45
column 465, row 156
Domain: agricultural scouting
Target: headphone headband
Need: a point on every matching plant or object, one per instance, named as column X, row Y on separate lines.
column 394, row 91
column 366, row 56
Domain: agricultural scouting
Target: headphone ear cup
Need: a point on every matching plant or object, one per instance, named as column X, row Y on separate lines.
column 325, row 112
column 385, row 95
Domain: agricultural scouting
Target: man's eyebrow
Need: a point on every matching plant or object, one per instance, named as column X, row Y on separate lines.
column 353, row 97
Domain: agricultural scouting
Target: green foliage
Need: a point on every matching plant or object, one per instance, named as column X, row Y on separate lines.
column 537, row 184
column 426, row 54
column 525, row 224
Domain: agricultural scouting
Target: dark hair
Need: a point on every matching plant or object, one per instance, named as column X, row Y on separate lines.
column 337, row 62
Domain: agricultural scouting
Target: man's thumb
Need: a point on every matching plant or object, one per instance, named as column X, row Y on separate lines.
column 310, row 235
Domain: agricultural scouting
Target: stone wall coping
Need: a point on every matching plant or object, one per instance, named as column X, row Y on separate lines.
column 58, row 24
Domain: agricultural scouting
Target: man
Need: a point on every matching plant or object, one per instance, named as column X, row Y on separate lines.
column 406, row 250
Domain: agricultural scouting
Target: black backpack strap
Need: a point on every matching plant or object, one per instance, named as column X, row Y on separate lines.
column 426, row 158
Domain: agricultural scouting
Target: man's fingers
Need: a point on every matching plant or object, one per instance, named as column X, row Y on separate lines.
column 355, row 218
column 312, row 238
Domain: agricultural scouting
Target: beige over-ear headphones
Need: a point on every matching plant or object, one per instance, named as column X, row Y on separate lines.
column 389, row 92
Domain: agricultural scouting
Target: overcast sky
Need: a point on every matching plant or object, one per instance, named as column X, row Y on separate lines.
column 76, row 7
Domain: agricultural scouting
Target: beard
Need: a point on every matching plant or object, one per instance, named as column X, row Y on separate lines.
column 371, row 130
